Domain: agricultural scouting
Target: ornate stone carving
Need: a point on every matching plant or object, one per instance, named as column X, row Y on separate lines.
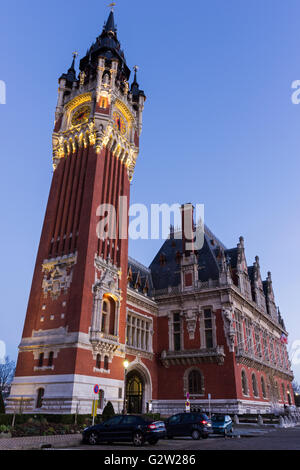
column 58, row 274
column 228, row 327
column 191, row 321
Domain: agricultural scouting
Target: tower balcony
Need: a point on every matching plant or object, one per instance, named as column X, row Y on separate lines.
column 190, row 357
column 104, row 342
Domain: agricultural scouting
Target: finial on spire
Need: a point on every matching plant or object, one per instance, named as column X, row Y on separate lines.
column 75, row 54
column 112, row 5
column 135, row 68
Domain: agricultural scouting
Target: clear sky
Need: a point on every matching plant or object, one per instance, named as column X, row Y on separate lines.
column 219, row 127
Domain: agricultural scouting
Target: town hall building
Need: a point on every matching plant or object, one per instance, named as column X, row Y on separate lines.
column 196, row 324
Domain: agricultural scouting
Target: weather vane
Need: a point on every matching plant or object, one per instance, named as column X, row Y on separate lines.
column 75, row 54
column 112, row 5
column 135, row 68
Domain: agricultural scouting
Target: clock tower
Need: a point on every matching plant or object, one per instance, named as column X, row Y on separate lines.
column 74, row 332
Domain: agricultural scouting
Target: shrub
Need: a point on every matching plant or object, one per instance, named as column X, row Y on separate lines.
column 108, row 411
column 4, row 428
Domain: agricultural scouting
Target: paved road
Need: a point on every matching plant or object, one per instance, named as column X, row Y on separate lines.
column 278, row 439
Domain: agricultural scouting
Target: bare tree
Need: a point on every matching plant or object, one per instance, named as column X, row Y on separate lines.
column 7, row 372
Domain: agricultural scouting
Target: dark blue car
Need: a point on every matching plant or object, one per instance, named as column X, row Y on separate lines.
column 221, row 424
column 130, row 428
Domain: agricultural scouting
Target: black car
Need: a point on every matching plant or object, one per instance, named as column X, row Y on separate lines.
column 125, row 428
column 195, row 425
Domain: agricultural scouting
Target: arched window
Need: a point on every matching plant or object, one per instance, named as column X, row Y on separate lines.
column 98, row 361
column 254, row 385
column 41, row 359
column 105, row 312
column 244, row 383
column 195, row 382
column 263, row 387
column 101, row 399
column 39, row 400
column 50, row 360
column 108, row 315
column 106, row 366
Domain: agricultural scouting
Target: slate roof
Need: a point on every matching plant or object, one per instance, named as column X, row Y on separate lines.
column 142, row 274
column 165, row 267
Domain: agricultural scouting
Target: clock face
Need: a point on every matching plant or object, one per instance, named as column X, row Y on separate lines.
column 119, row 123
column 81, row 115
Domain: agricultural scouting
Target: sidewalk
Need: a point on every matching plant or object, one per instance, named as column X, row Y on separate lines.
column 36, row 442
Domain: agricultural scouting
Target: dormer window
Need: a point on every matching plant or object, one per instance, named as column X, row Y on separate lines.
column 162, row 259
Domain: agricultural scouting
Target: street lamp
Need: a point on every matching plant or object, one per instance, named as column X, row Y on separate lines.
column 125, row 364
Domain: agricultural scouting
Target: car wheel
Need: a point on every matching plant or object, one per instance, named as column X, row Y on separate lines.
column 138, row 439
column 93, row 438
column 196, row 435
column 152, row 442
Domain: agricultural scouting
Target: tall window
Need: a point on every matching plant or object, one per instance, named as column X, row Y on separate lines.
column 249, row 335
column 263, row 387
column 41, row 360
column 108, row 315
column 257, row 342
column 98, row 361
column 244, row 383
column 271, row 342
column 139, row 332
column 208, row 328
column 177, row 331
column 104, row 321
column 39, row 400
column 195, row 382
column 239, row 330
column 50, row 360
column 254, row 385
column 265, row 345
column 106, row 366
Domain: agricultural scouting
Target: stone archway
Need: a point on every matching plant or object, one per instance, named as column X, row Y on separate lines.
column 138, row 388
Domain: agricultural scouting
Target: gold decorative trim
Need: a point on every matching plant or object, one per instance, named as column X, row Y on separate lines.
column 125, row 111
column 78, row 100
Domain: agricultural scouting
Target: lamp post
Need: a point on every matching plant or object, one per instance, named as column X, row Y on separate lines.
column 125, row 364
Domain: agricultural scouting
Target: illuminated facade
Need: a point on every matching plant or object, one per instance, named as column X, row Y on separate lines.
column 193, row 322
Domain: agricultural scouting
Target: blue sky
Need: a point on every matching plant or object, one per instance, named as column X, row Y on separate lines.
column 219, row 127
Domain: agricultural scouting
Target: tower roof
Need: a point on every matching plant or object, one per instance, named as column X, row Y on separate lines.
column 106, row 45
column 109, row 26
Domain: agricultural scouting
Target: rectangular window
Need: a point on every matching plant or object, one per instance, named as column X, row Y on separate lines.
column 257, row 343
column 249, row 335
column 138, row 332
column 177, row 331
column 266, row 347
column 208, row 329
column 239, row 331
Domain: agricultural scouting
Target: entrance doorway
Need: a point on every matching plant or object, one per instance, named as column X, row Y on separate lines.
column 134, row 393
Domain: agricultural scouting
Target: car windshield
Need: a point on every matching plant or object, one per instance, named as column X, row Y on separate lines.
column 219, row 419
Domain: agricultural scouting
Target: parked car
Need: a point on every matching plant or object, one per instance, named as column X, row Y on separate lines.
column 125, row 428
column 192, row 424
column 221, row 424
